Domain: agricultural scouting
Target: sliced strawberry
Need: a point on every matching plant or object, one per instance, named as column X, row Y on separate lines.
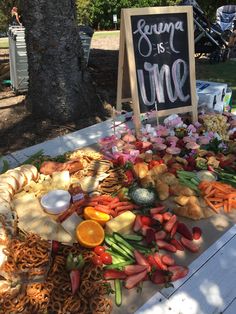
column 159, row 262
column 197, row 233
column 144, row 230
column 133, row 280
column 146, row 220
column 137, row 223
column 141, row 259
column 150, row 236
column 134, row 269
column 177, row 244
column 174, row 229
column 158, row 217
column 167, row 260
column 190, row 245
column 166, row 246
column 170, row 223
column 160, row 235
column 178, row 272
column 159, row 277
column 156, row 210
column 167, row 216
column 184, row 230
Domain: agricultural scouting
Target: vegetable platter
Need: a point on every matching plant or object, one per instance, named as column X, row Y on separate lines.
column 139, row 214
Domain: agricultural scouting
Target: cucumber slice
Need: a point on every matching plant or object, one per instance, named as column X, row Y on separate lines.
column 132, row 237
column 118, row 292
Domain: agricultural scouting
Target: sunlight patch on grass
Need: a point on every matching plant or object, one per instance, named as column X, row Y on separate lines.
column 102, row 34
column 223, row 72
column 4, row 43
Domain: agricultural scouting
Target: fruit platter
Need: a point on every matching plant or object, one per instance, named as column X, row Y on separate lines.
column 102, row 229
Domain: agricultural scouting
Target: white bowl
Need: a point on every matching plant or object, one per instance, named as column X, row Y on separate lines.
column 56, row 201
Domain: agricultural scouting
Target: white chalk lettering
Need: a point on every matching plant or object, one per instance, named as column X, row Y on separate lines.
column 161, row 80
column 160, row 48
column 144, row 30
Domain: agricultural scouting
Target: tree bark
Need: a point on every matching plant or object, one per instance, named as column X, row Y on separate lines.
column 59, row 87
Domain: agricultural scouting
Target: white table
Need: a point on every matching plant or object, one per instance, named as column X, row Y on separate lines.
column 210, row 286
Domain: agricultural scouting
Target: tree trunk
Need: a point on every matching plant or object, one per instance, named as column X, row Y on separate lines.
column 59, row 88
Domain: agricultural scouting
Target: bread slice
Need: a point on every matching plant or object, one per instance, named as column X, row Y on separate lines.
column 33, row 169
column 6, row 187
column 5, row 196
column 7, row 179
column 19, row 177
column 6, row 213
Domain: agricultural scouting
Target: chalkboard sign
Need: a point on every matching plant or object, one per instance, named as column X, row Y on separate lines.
column 159, row 48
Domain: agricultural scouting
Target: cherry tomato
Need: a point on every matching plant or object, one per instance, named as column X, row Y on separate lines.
column 106, row 258
column 146, row 220
column 99, row 250
column 97, row 260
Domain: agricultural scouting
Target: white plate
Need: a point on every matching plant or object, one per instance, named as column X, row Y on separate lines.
column 56, row 201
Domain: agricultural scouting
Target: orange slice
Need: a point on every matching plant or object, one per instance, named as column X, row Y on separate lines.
column 90, row 233
column 92, row 213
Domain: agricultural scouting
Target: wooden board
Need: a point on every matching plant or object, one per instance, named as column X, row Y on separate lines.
column 209, row 266
column 158, row 44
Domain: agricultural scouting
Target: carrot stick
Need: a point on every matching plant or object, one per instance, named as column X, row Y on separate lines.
column 218, row 205
column 211, row 205
column 233, row 204
column 203, row 185
column 229, row 205
column 231, row 195
column 208, row 189
column 225, row 206
column 220, row 195
column 215, row 199
column 212, row 192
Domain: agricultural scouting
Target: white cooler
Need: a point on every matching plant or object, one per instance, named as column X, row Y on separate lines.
column 212, row 95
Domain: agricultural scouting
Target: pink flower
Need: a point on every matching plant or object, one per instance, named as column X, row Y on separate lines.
column 197, row 124
column 159, row 146
column 157, row 140
column 203, row 140
column 173, row 150
column 172, row 139
column 191, row 128
column 192, row 145
column 129, row 138
column 189, row 139
column 162, row 131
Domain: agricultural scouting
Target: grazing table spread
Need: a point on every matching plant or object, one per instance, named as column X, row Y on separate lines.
column 104, row 221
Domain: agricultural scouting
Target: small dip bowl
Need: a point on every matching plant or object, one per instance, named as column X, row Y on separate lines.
column 205, row 175
column 56, row 202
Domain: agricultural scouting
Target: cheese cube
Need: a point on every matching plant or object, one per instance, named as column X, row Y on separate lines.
column 122, row 224
column 71, row 223
column 61, row 180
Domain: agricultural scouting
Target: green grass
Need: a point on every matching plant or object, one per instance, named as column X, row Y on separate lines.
column 223, row 72
column 3, row 43
column 102, row 34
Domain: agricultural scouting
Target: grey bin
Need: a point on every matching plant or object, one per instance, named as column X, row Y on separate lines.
column 18, row 59
column 18, row 55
